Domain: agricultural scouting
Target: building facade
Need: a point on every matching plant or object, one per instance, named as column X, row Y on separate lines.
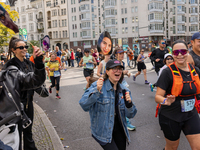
column 31, row 17
column 57, row 23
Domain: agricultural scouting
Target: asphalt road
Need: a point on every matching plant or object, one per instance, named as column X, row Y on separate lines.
column 73, row 124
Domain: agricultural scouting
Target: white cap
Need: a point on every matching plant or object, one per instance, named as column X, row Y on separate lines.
column 168, row 54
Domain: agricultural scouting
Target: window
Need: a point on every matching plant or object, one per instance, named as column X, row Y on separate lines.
column 132, row 19
column 30, row 16
column 125, row 10
column 64, row 22
column 126, row 20
column 181, row 28
column 133, row 29
column 32, row 37
column 75, row 43
column 93, row 33
column 85, row 7
column 48, row 3
column 23, row 9
column 136, row 9
column 122, row 20
column 54, row 12
column 122, row 30
column 122, row 10
column 85, row 16
column 56, row 34
column 136, row 29
column 72, row 10
column 110, row 22
column 74, row 34
column 110, row 12
column 132, row 9
column 86, row 33
column 92, row 8
column 62, row 1
column 55, row 2
column 136, row 19
column 23, row 19
column 31, row 26
column 126, row 30
column 65, row 34
column 122, row 1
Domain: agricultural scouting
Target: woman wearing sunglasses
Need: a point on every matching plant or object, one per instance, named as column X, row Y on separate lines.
column 109, row 103
column 88, row 63
column 18, row 49
column 177, row 87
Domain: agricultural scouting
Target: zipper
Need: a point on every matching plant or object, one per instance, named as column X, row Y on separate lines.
column 122, row 124
column 10, row 95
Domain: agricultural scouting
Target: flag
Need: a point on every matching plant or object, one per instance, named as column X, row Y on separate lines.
column 46, row 43
column 6, row 20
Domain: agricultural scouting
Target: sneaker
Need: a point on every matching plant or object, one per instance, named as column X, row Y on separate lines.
column 58, row 97
column 146, row 82
column 50, row 91
column 134, row 78
column 130, row 126
column 151, row 87
column 65, row 69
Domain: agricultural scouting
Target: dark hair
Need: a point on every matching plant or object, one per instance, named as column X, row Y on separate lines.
column 105, row 77
column 179, row 41
column 104, row 34
column 12, row 44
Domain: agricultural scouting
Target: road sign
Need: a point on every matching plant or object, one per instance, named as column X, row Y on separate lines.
column 25, row 37
column 24, row 31
column 20, row 32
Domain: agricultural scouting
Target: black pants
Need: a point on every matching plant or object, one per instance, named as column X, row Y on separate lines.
column 57, row 82
column 28, row 141
column 69, row 62
column 118, row 142
column 135, row 58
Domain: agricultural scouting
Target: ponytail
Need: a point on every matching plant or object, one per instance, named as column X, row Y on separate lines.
column 12, row 44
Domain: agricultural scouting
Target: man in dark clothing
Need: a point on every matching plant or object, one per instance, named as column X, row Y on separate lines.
column 158, row 55
column 79, row 55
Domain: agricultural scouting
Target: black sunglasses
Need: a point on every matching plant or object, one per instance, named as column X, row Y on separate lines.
column 22, row 47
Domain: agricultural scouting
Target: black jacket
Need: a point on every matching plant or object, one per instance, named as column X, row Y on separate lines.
column 18, row 81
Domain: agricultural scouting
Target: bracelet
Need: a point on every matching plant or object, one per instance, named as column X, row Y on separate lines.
column 164, row 101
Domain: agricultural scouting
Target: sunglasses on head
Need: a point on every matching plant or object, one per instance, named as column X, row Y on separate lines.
column 182, row 51
column 22, row 47
column 163, row 43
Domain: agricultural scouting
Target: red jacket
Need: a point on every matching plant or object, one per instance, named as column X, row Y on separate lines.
column 72, row 56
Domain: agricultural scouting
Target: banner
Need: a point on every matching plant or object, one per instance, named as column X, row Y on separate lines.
column 6, row 20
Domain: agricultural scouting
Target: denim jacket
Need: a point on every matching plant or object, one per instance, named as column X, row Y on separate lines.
column 101, row 107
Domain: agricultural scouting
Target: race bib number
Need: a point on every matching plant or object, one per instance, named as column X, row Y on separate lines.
column 89, row 65
column 125, row 83
column 56, row 73
column 187, row 105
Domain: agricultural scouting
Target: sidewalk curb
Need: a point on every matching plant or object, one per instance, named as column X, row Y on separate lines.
column 57, row 144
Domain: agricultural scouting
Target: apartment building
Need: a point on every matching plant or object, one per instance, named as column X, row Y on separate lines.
column 57, row 23
column 31, row 17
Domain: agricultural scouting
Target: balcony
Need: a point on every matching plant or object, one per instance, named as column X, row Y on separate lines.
column 156, row 10
column 194, row 4
column 109, row 16
column 156, row 21
column 181, row 32
column 49, row 27
column 109, row 25
column 193, row 32
column 86, row 36
column 109, row 4
column 112, row 34
column 180, row 21
column 194, row 22
column 40, row 19
column 85, row 10
column 40, row 30
column 87, row 46
column 180, row 12
column 194, row 14
column 180, row 3
column 48, row 18
column 86, row 28
column 156, row 31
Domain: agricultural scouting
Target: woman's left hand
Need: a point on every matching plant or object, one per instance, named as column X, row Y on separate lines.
column 128, row 98
column 37, row 52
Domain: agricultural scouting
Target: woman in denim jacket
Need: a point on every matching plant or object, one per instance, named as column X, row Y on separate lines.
column 109, row 103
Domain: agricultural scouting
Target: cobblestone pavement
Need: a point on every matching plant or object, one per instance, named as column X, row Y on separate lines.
column 40, row 134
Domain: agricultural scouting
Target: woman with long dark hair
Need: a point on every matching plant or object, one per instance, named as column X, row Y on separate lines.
column 109, row 103
column 18, row 49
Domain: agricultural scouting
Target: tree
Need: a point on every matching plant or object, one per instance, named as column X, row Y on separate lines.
column 6, row 33
column 35, row 43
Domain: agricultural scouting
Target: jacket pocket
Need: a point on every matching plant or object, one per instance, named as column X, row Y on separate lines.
column 103, row 105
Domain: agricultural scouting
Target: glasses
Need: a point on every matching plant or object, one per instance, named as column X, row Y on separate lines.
column 86, row 52
column 163, row 43
column 22, row 47
column 142, row 51
column 115, row 69
column 169, row 59
column 182, row 51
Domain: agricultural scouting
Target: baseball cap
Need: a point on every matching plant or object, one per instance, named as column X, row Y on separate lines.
column 168, row 54
column 135, row 45
column 196, row 36
column 113, row 63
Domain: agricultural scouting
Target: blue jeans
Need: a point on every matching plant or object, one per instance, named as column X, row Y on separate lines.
column 127, row 60
column 79, row 59
column 72, row 61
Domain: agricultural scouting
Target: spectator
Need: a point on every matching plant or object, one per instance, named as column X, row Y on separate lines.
column 58, row 51
column 72, row 57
